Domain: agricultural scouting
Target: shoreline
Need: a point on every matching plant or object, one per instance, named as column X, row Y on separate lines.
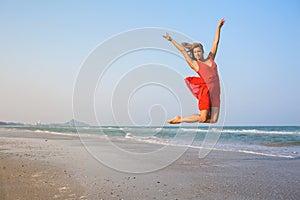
column 221, row 175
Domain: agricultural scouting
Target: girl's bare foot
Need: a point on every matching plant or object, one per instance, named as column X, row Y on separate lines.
column 175, row 120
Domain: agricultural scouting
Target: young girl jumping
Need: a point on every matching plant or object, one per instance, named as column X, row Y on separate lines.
column 206, row 87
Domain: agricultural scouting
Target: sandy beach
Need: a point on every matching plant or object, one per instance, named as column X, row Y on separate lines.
column 37, row 165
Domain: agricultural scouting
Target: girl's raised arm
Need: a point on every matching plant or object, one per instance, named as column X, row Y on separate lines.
column 189, row 60
column 214, row 48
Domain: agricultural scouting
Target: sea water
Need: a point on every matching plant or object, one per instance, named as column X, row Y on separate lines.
column 271, row 141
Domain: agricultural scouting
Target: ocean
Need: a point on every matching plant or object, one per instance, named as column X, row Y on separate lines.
column 270, row 141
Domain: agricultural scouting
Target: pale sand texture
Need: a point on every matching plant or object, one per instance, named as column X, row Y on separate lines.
column 63, row 162
column 24, row 179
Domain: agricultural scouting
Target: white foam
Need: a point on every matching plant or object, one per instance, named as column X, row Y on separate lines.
column 128, row 135
column 193, row 130
column 62, row 133
column 259, row 131
column 40, row 131
column 256, row 153
column 158, row 129
column 238, row 131
column 155, row 140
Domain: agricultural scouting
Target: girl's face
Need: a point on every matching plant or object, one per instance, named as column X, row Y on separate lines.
column 198, row 53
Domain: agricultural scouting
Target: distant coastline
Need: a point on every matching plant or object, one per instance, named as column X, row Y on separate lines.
column 11, row 124
column 72, row 122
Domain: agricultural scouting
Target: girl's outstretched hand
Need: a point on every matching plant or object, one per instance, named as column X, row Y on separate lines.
column 167, row 37
column 221, row 23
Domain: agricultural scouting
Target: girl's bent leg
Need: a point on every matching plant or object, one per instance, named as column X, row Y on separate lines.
column 210, row 117
column 187, row 119
column 214, row 114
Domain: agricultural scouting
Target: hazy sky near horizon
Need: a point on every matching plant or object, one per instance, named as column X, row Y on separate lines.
column 45, row 43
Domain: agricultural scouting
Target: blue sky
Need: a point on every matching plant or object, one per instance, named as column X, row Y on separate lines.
column 43, row 45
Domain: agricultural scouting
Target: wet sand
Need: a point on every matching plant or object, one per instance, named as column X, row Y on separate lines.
column 46, row 166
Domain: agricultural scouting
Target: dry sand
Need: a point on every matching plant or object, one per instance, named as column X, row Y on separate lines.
column 24, row 179
column 46, row 166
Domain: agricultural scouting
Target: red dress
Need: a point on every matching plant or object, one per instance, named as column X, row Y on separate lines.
column 205, row 88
